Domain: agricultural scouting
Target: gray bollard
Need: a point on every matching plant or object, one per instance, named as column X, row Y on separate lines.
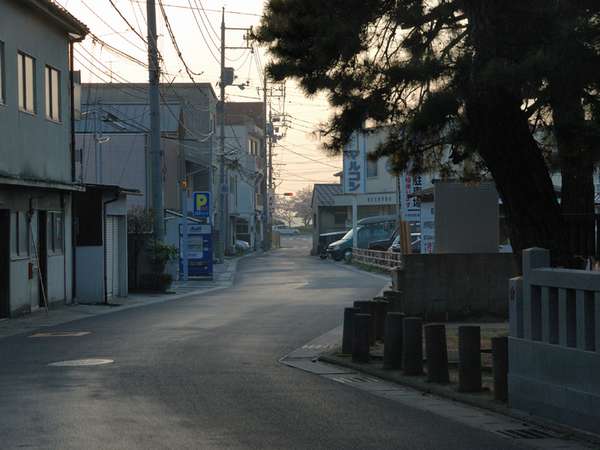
column 381, row 308
column 412, row 346
column 436, row 353
column 368, row 307
column 500, row 361
column 392, row 349
column 360, row 341
column 348, row 333
column 469, row 359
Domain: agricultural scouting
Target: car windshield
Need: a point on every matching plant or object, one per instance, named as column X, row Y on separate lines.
column 348, row 235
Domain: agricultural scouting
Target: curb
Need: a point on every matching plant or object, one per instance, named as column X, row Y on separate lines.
column 124, row 307
column 441, row 391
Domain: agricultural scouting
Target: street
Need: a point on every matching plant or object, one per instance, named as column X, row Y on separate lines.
column 203, row 372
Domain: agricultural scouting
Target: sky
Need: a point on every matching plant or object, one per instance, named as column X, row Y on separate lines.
column 298, row 160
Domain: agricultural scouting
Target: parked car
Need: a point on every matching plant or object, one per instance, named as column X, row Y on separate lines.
column 384, row 244
column 327, row 238
column 369, row 229
column 415, row 244
column 282, row 229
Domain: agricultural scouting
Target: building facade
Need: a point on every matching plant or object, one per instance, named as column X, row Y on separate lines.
column 36, row 153
column 245, row 166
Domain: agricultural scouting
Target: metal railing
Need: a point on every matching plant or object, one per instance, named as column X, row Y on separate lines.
column 376, row 258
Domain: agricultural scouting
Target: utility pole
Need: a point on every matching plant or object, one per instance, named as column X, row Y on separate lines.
column 155, row 152
column 266, row 174
column 270, row 187
column 222, row 182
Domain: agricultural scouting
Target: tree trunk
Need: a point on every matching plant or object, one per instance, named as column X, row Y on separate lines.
column 500, row 131
column 576, row 166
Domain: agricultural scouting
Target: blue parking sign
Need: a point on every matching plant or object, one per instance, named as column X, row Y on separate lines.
column 201, row 204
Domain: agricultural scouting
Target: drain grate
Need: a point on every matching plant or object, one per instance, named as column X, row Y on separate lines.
column 525, row 433
column 351, row 379
column 60, row 334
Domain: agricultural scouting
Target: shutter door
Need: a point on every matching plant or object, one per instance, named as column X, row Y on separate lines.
column 109, row 248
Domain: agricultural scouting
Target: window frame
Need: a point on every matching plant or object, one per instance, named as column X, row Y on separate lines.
column 20, row 230
column 372, row 165
column 24, row 84
column 50, row 97
column 52, row 237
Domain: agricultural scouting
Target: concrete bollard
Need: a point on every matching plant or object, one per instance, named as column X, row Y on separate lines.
column 381, row 309
column 392, row 350
column 469, row 359
column 348, row 333
column 368, row 307
column 360, row 340
column 412, row 346
column 436, row 352
column 500, row 361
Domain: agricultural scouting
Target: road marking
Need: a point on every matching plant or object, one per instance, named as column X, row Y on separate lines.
column 60, row 334
column 82, row 362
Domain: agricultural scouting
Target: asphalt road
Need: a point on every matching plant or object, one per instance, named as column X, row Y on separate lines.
column 203, row 373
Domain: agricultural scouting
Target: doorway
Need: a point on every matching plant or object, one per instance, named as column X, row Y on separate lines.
column 4, row 263
column 42, row 254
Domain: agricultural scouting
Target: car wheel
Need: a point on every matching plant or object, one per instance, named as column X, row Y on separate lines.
column 323, row 255
column 348, row 255
column 337, row 257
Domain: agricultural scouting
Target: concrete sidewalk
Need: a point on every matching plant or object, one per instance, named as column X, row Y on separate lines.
column 224, row 275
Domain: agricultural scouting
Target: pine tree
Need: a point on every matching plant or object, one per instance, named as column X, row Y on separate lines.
column 472, row 75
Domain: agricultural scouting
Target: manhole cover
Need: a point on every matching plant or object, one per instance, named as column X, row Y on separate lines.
column 82, row 362
column 525, row 433
column 60, row 334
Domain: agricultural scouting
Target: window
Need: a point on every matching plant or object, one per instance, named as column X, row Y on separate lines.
column 2, row 93
column 371, row 168
column 26, row 80
column 55, row 232
column 52, row 77
column 253, row 146
column 21, row 235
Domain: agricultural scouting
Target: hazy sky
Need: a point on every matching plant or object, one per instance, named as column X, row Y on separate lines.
column 198, row 34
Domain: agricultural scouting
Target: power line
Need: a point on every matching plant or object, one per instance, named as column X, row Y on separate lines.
column 210, row 49
column 307, row 157
column 111, row 27
column 240, row 13
column 175, row 44
column 127, row 22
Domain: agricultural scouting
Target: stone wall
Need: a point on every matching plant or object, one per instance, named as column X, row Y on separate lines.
column 453, row 285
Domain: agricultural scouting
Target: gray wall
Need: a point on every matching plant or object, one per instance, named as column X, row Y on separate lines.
column 454, row 284
column 24, row 292
column 30, row 145
column 466, row 218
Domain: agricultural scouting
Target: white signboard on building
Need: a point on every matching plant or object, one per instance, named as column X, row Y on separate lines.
column 410, row 185
column 355, row 164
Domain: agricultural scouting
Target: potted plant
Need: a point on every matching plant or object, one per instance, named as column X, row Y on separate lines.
column 159, row 254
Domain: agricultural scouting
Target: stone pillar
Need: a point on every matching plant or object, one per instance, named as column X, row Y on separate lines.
column 392, row 349
column 412, row 346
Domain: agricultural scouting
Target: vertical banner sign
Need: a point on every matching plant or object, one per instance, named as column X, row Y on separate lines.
column 411, row 208
column 201, row 204
column 355, row 163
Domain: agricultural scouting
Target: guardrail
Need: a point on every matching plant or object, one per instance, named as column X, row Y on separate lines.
column 376, row 258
